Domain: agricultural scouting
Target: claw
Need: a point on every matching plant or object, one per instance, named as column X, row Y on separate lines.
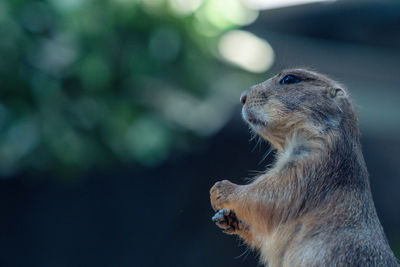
column 218, row 216
column 226, row 220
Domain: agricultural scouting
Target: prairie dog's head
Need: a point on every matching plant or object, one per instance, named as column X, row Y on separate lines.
column 295, row 100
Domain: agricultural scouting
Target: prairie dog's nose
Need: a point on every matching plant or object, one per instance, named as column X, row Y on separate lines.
column 243, row 97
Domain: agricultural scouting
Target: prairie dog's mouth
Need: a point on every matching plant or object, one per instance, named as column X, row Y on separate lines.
column 251, row 118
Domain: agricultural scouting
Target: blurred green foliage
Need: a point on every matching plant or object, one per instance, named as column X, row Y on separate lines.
column 88, row 82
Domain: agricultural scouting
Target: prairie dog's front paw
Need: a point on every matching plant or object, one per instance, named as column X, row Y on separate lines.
column 221, row 193
column 227, row 221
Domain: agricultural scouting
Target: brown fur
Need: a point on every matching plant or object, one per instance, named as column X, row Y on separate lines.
column 314, row 206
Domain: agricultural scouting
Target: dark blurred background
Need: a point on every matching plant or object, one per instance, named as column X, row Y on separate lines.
column 116, row 117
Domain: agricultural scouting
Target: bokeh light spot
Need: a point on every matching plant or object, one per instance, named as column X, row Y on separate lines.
column 147, row 141
column 165, row 44
column 184, row 7
column 246, row 50
column 36, row 16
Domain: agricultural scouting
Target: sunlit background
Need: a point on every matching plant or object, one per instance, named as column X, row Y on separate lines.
column 116, row 117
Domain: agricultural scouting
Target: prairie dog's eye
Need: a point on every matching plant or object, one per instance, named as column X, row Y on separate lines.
column 289, row 79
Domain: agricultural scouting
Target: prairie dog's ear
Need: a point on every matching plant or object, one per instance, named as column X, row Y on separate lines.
column 336, row 92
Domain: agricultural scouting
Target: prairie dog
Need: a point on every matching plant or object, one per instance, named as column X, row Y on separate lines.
column 314, row 206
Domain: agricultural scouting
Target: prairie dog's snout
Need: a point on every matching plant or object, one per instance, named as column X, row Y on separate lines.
column 243, row 97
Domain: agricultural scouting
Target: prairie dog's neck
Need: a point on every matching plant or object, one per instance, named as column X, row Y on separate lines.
column 301, row 146
column 331, row 152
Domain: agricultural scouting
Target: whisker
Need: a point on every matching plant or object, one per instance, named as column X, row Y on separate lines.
column 255, row 172
column 258, row 144
column 265, row 155
column 245, row 253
